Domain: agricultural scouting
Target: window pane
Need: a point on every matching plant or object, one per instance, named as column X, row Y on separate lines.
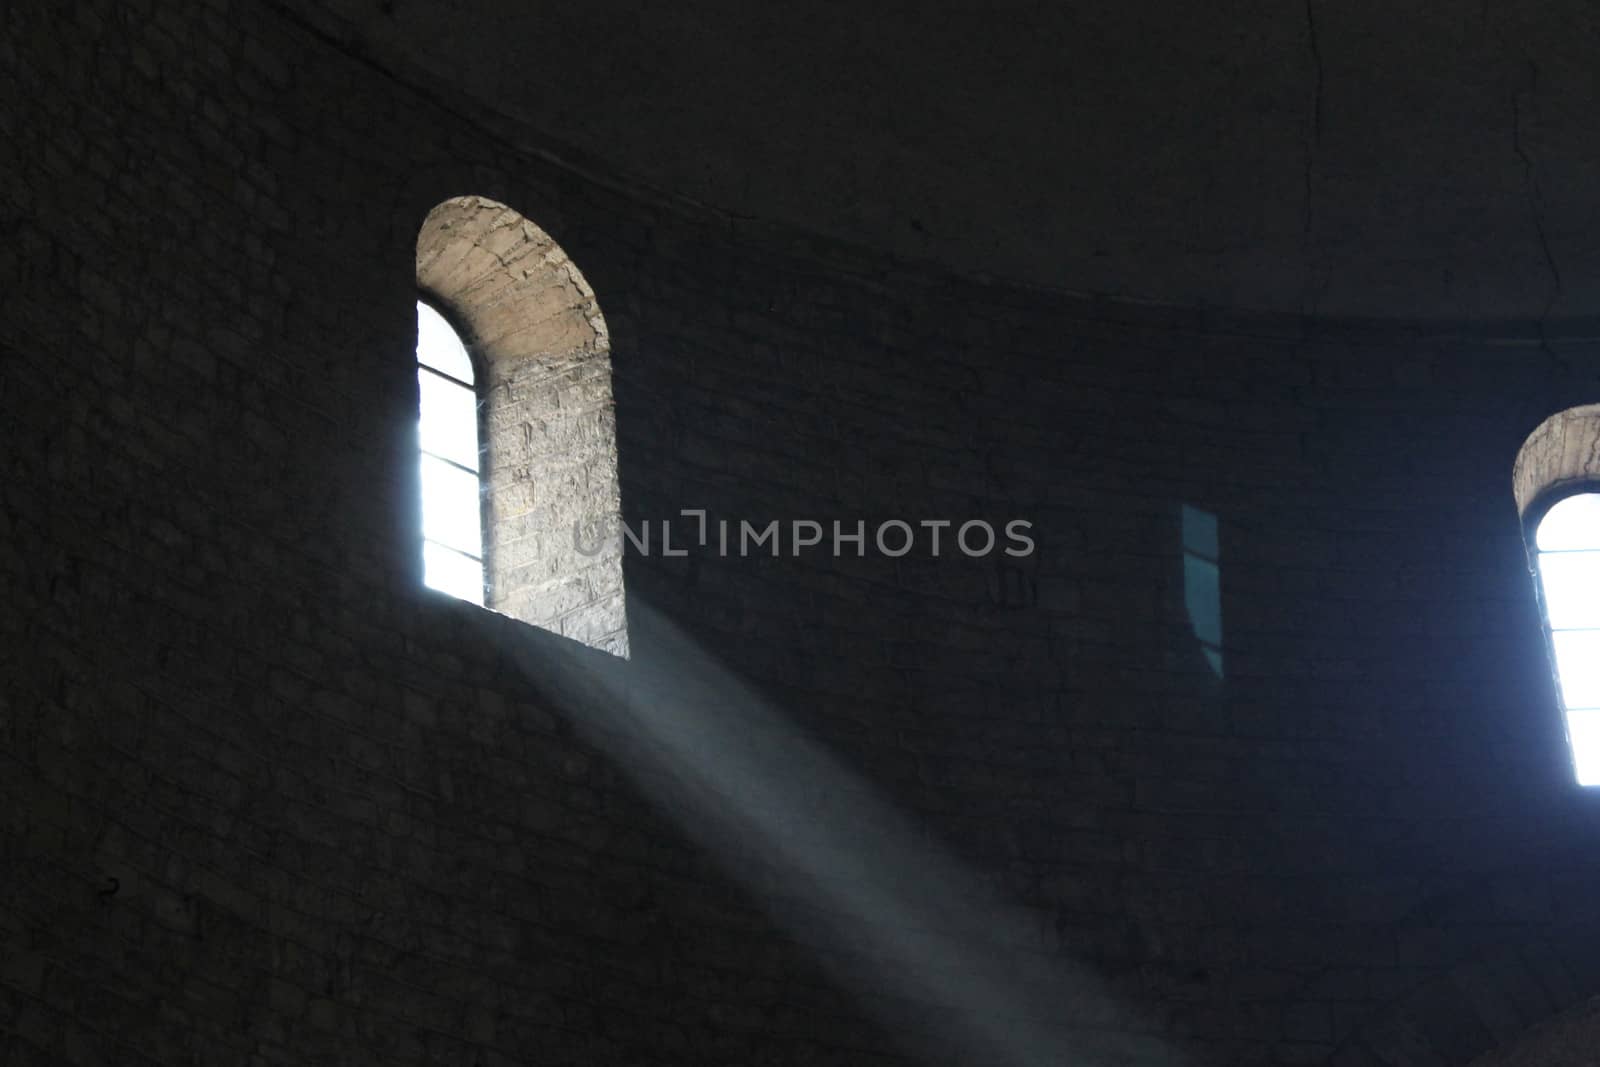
column 449, row 425
column 439, row 347
column 1583, row 730
column 1571, row 582
column 450, row 508
column 1572, row 523
column 1578, row 663
column 451, row 572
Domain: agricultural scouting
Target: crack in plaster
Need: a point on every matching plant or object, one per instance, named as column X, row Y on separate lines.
column 1313, row 141
column 1535, row 195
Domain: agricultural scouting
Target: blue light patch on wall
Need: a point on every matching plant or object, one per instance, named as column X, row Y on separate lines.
column 1202, row 582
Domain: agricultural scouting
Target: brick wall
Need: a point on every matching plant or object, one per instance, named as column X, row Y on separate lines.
column 268, row 801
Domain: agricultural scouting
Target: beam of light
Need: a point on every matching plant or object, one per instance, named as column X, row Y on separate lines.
column 949, row 968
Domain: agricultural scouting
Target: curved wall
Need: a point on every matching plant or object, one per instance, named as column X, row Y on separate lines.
column 268, row 801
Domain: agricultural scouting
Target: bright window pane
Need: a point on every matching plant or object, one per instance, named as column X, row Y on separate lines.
column 451, row 572
column 1578, row 663
column 450, row 508
column 439, row 347
column 1572, row 523
column 1583, row 730
column 449, row 423
column 447, row 429
column 1571, row 583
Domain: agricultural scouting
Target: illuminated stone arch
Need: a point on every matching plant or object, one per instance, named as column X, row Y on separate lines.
column 541, row 349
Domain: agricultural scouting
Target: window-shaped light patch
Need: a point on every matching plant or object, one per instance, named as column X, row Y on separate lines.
column 447, row 432
column 1568, row 547
column 1202, row 582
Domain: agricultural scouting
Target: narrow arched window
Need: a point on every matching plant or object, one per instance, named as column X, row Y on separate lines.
column 542, row 540
column 1566, row 544
column 447, row 434
column 1556, row 482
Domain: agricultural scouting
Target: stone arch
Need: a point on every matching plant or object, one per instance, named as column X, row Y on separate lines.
column 543, row 350
column 1562, row 455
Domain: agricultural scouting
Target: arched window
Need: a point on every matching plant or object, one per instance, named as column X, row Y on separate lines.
column 1556, row 482
column 1567, row 559
column 447, row 434
column 525, row 520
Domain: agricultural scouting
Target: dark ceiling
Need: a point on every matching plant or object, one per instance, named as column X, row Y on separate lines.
column 1356, row 157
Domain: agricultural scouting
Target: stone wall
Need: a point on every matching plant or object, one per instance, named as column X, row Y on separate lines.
column 267, row 801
